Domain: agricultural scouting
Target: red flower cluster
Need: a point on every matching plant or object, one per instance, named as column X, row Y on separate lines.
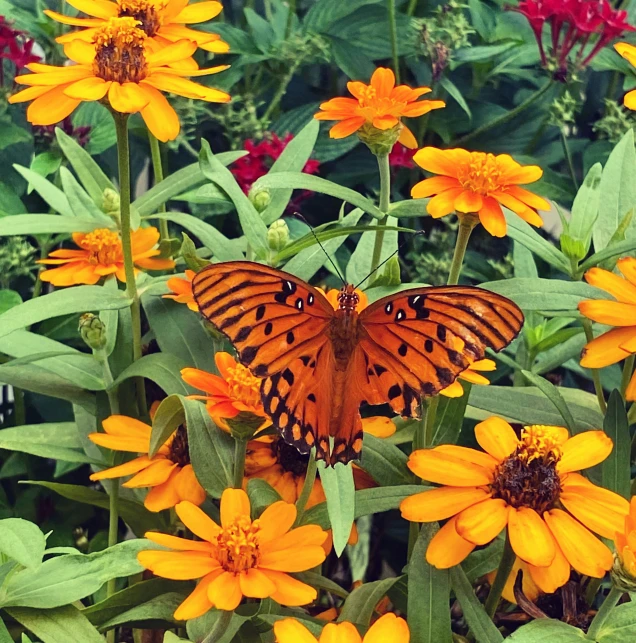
column 401, row 156
column 573, row 23
column 260, row 159
column 16, row 47
column 45, row 134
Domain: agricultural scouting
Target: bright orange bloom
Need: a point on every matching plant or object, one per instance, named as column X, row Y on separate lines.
column 380, row 104
column 241, row 557
column 625, row 543
column 168, row 473
column 628, row 52
column 182, row 290
column 101, row 254
column 387, row 629
column 478, row 183
column 162, row 20
column 118, row 65
column 528, row 485
column 619, row 343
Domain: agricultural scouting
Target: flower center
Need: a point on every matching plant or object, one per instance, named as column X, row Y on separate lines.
column 244, row 386
column 144, row 12
column 179, row 453
column 119, row 52
column 238, row 545
column 289, row 458
column 482, row 174
column 528, row 477
column 104, row 247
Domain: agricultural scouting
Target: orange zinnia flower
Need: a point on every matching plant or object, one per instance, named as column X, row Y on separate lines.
column 618, row 343
column 101, row 254
column 164, row 22
column 380, row 104
column 241, row 557
column 478, row 183
column 182, row 290
column 521, row 484
column 387, row 629
column 625, row 543
column 168, row 473
column 628, row 52
column 118, row 66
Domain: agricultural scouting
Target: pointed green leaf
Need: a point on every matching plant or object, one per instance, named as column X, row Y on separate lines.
column 337, row 483
column 616, row 468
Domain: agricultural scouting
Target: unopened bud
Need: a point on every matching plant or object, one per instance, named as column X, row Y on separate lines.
column 244, row 425
column 621, row 577
column 278, row 235
column 190, row 256
column 93, row 331
column 379, row 141
column 573, row 248
column 111, row 202
column 260, row 198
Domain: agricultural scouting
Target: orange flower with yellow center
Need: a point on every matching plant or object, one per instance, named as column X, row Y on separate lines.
column 619, row 343
column 162, row 20
column 118, row 66
column 625, row 543
column 182, row 290
column 528, row 485
column 478, row 183
column 100, row 255
column 380, row 105
column 241, row 557
column 168, row 473
column 387, row 629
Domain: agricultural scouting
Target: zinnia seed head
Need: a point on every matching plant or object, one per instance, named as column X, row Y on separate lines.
column 103, row 245
column 238, row 545
column 290, row 458
column 144, row 12
column 119, row 54
column 179, row 452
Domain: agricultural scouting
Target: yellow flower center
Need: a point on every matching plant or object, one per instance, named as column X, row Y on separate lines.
column 238, row 547
column 244, row 387
column 104, row 247
column 146, row 13
column 528, row 477
column 481, row 175
column 119, row 52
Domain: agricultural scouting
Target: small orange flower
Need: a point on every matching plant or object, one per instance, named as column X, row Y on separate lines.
column 101, row 254
column 625, row 543
column 241, row 557
column 182, row 290
column 380, row 104
column 478, row 183
column 168, row 473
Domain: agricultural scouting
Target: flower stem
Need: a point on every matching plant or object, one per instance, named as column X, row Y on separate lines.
column 503, row 572
column 596, row 378
column 157, row 169
column 603, row 613
column 504, row 118
column 628, row 369
column 393, row 35
column 466, row 224
column 280, row 92
column 411, row 8
column 219, row 628
column 290, row 17
column 385, row 202
column 123, row 157
column 308, row 486
column 429, row 424
column 240, row 451
column 568, row 158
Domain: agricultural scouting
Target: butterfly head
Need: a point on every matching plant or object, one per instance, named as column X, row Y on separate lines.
column 348, row 298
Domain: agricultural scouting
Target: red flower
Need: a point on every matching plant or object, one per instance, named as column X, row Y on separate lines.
column 401, row 156
column 18, row 44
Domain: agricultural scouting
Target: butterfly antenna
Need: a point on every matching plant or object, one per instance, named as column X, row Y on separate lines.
column 331, row 261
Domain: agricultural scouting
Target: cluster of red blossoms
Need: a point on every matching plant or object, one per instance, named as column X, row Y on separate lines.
column 45, row 134
column 401, row 156
column 573, row 25
column 16, row 47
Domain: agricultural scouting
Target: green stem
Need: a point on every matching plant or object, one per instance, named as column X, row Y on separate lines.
column 429, row 425
column 385, row 202
column 308, row 486
column 123, row 157
column 280, row 92
column 466, row 224
column 503, row 572
column 603, row 613
column 419, row 435
column 596, row 378
column 157, row 169
column 591, row 590
column 568, row 158
column 411, row 8
column 628, row 369
column 393, row 34
column 414, row 534
column 219, row 628
column 19, row 409
column 290, row 17
column 504, row 118
column 240, row 451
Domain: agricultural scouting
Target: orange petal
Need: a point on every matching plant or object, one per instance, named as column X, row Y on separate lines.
column 276, row 521
column 255, row 584
column 434, row 185
column 496, row 437
column 447, row 548
column 388, row 628
column 556, row 574
column 443, row 203
column 468, row 201
column 530, row 537
column 197, row 603
column 492, row 218
column 436, row 161
column 225, row 591
column 180, row 565
column 483, row 522
column 620, row 288
column 383, row 80
column 439, row 504
column 607, row 348
column 289, row 591
column 290, row 630
column 612, row 313
column 441, row 467
column 198, row 522
column 584, row 450
column 346, row 127
column 126, row 469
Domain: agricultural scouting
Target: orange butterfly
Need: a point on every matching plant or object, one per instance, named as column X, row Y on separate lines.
column 320, row 364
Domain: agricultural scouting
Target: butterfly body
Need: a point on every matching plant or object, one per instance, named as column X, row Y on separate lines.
column 319, row 364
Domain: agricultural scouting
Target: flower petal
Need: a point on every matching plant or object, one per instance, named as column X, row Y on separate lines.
column 443, row 203
column 234, row 504
column 496, row 437
column 162, row 496
column 51, row 108
column 439, row 504
column 225, row 591
column 126, row 469
column 620, row 288
column 159, row 116
column 492, row 218
column 584, row 450
column 171, row 53
column 180, row 565
column 530, row 537
column 346, row 127
column 197, row 603
column 127, row 98
column 199, row 12
column 469, row 201
column 255, row 584
column 388, row 628
column 556, row 574
column 378, row 426
column 447, row 548
column 483, row 522
column 442, row 467
column 276, row 521
column 88, row 89
column 197, row 521
column 289, row 591
column 156, row 473
column 608, row 348
column 434, row 185
column 436, row 161
column 290, row 630
column 612, row 313
column 174, row 542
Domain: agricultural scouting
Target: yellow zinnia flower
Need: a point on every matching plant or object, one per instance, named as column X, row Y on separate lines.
column 101, row 254
column 182, row 290
column 625, row 543
column 628, row 52
column 117, row 65
column 380, row 105
column 162, row 20
column 241, row 557
column 387, row 629
column 478, row 183
column 528, row 485
column 618, row 343
column 168, row 473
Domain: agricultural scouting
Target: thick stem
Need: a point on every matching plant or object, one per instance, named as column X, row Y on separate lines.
column 603, row 613
column 503, row 572
column 240, row 450
column 308, row 486
column 157, row 169
column 628, row 369
column 219, row 628
column 123, row 157
column 568, row 158
column 466, row 224
column 393, row 35
column 596, row 378
column 385, row 202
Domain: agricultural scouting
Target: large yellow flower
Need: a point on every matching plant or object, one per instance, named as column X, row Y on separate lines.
column 119, row 66
column 478, row 183
column 101, row 254
column 241, row 557
column 618, row 343
column 162, row 20
column 387, row 629
column 528, row 485
column 168, row 473
column 380, row 104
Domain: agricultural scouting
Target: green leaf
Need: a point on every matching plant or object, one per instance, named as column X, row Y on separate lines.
column 81, row 203
column 620, row 625
column 614, row 250
column 9, row 299
column 338, row 485
column 46, row 163
column 66, row 301
column 454, row 91
column 30, row 224
column 450, row 417
column 167, row 419
column 199, row 628
column 102, row 133
column 162, row 368
column 428, row 594
column 261, row 495
column 360, row 604
column 52, row 195
column 553, row 394
column 483, row 561
column 616, row 469
column 524, row 263
column 409, row 208
column 10, row 202
column 5, row 637
column 22, row 541
column 351, row 61
column 320, row 582
column 59, row 625
column 148, row 612
column 586, row 207
column 326, row 13
column 483, row 629
column 11, row 133
column 548, row 630
column 384, row 462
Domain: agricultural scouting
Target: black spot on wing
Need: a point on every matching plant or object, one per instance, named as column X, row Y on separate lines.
column 243, row 334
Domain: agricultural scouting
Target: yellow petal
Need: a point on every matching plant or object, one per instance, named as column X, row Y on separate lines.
column 289, row 591
column 181, row 565
column 612, row 313
column 438, row 466
column 379, row 426
column 608, row 348
column 468, row 201
column 234, row 504
column 388, row 628
column 439, row 504
column 171, row 53
column 125, row 426
column 447, row 548
column 619, row 288
column 225, row 591
column 174, row 542
column 555, row 575
column 127, row 98
column 197, row 521
column 51, row 108
column 126, row 469
column 483, row 522
column 584, row 450
column 88, row 89
column 530, row 537
column 454, row 390
column 159, row 116
column 154, row 474
column 437, row 161
column 276, row 520
column 469, row 455
column 496, row 437
column 197, row 603
column 255, row 584
column 199, row 12
column 162, row 496
column 290, row 630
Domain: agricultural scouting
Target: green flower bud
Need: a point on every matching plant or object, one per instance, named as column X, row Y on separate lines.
column 110, row 202
column 190, row 256
column 244, row 425
column 379, row 141
column 278, row 235
column 621, row 578
column 260, row 199
column 574, row 248
column 93, row 331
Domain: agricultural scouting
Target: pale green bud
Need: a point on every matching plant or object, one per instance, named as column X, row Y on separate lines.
column 260, row 199
column 93, row 331
column 278, row 235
